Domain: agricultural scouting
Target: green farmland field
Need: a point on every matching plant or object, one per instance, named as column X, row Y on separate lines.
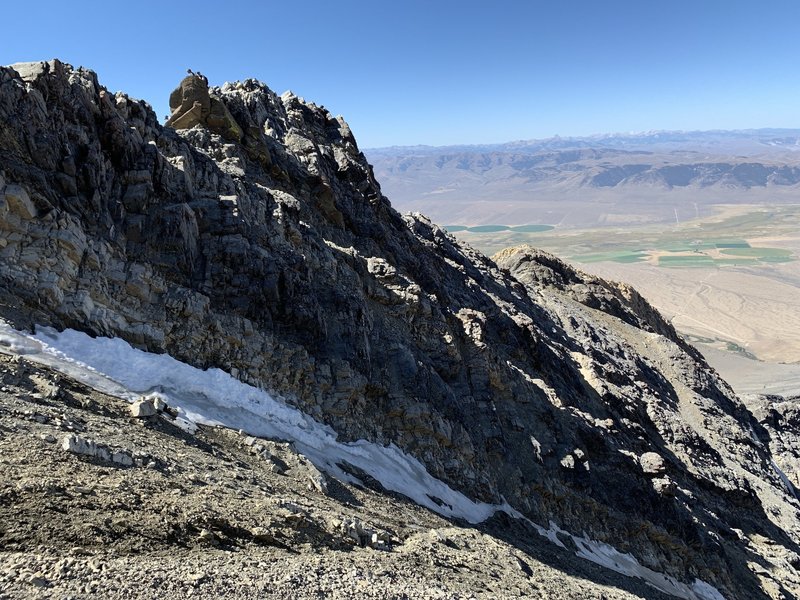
column 768, row 254
column 620, row 256
column 686, row 260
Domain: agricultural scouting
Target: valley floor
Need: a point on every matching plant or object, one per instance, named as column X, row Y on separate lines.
column 742, row 312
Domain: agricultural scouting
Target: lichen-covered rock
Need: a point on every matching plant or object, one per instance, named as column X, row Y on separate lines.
column 277, row 259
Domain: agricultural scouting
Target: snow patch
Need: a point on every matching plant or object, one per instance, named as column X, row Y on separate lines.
column 784, row 479
column 213, row 397
column 607, row 556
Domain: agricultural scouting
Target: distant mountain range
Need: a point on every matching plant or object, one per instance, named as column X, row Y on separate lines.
column 740, row 141
column 706, row 167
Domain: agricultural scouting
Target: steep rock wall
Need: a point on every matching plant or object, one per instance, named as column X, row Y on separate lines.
column 278, row 259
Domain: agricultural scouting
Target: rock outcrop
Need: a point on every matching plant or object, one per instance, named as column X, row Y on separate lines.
column 274, row 256
column 539, row 269
column 780, row 418
column 191, row 104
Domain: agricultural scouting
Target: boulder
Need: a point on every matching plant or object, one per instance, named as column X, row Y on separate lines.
column 191, row 104
column 652, row 463
column 144, row 407
column 19, row 202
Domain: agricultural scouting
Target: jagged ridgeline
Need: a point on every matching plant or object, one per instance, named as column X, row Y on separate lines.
column 256, row 239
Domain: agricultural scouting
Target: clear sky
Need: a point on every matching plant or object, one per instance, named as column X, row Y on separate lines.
column 438, row 72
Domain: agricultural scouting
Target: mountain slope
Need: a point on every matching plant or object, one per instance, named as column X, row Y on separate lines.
column 219, row 514
column 273, row 255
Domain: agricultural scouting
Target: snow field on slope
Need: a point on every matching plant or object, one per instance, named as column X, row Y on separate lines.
column 213, row 397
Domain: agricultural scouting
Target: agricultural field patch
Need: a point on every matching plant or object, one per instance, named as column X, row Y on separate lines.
column 532, row 228
column 619, row 256
column 730, row 244
column 759, row 253
column 686, row 260
column 488, row 228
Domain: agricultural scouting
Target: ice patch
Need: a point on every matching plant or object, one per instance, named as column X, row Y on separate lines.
column 213, row 397
column 784, row 479
column 607, row 556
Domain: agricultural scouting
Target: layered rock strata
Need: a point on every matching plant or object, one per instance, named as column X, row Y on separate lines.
column 274, row 256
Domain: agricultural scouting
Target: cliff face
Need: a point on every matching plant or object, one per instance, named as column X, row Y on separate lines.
column 273, row 255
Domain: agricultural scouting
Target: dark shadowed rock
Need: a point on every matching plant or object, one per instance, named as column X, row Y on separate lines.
column 278, row 259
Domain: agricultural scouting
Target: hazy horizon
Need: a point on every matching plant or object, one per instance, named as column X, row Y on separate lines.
column 451, row 73
column 600, row 135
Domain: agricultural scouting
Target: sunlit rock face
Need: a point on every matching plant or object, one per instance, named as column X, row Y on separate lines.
column 273, row 255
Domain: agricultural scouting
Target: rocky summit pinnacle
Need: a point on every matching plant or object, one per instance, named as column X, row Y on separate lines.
column 191, row 105
column 249, row 234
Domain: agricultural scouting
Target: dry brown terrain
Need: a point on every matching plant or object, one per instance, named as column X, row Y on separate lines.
column 745, row 318
column 757, row 312
column 721, row 309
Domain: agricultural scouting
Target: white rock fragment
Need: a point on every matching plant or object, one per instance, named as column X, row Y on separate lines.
column 86, row 447
column 78, row 445
column 664, row 486
column 159, row 403
column 144, row 407
column 652, row 463
column 317, row 481
column 364, row 536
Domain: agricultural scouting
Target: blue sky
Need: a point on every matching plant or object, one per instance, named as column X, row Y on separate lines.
column 448, row 72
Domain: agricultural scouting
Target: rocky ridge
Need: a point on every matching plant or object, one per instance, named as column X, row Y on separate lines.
column 274, row 256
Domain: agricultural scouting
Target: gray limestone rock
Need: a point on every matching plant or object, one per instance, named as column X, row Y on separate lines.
column 19, row 202
column 275, row 257
column 144, row 407
column 652, row 463
column 79, row 445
